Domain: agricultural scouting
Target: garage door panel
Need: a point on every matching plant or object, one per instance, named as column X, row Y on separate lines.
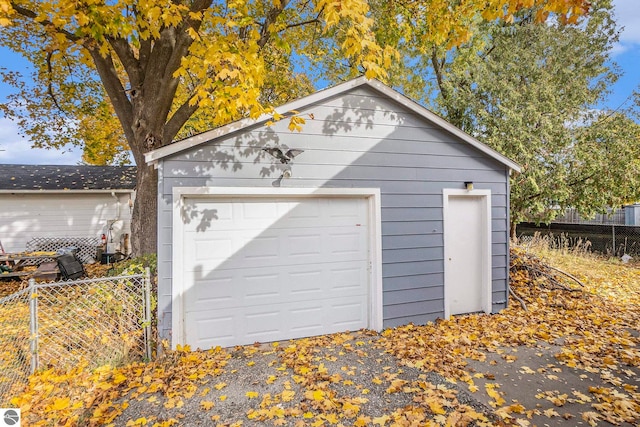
column 309, row 210
column 227, row 327
column 348, row 278
column 229, row 250
column 211, row 249
column 259, row 286
column 307, row 320
column 235, row 290
column 348, row 314
column 273, row 269
column 214, row 292
column 265, row 324
column 242, row 214
column 303, row 244
column 306, row 283
column 260, row 248
column 348, row 242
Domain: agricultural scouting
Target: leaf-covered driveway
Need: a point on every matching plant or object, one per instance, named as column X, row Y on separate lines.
column 572, row 358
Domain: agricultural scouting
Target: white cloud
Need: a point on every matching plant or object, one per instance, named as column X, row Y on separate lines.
column 627, row 13
column 15, row 149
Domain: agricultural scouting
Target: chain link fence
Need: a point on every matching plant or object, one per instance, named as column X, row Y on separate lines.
column 613, row 240
column 60, row 324
column 15, row 343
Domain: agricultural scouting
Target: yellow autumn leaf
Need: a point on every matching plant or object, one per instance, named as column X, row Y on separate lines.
column 550, row 413
column 287, row 395
column 593, row 418
column 59, row 404
column 436, row 407
column 206, row 405
column 252, row 394
column 332, row 418
column 362, row 421
column 382, row 420
column 495, row 395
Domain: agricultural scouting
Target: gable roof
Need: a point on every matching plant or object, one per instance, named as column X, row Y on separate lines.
column 56, row 177
column 152, row 157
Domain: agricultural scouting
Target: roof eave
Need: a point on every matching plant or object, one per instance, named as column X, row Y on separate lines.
column 65, row 191
column 429, row 115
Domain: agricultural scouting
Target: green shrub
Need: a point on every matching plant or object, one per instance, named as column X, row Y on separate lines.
column 136, row 265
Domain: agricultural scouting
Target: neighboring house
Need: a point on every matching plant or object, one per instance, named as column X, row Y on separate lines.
column 381, row 214
column 64, row 201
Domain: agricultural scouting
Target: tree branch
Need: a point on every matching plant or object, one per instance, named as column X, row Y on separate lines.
column 177, row 120
column 271, row 17
column 300, row 24
column 581, row 180
column 165, row 58
column 115, row 90
column 183, row 43
column 122, row 48
column 50, row 83
column 437, row 69
column 27, row 13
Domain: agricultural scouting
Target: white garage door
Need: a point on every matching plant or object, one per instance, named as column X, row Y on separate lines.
column 267, row 269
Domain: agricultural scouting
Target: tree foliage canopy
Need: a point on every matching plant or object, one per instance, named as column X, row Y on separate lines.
column 168, row 67
column 532, row 93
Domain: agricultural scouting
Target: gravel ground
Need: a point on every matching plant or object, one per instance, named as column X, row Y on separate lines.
column 341, row 379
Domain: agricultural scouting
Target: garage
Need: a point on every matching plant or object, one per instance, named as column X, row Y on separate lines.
column 270, row 267
column 376, row 213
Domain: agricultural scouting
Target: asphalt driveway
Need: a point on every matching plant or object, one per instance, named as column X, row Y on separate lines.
column 352, row 379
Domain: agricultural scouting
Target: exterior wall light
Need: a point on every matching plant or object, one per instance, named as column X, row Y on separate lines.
column 468, row 185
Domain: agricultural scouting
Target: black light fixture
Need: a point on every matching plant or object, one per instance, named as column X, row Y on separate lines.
column 468, row 185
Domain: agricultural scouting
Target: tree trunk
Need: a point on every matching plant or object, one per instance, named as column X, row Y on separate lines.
column 144, row 229
column 512, row 231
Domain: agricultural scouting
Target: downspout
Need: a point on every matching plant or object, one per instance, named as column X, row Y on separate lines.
column 113, row 194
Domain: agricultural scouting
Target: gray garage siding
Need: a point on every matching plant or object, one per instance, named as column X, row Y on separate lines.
column 380, row 145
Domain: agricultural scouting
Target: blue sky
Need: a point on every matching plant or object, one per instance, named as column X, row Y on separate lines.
column 18, row 149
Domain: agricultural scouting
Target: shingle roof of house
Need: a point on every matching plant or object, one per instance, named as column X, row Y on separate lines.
column 56, row 177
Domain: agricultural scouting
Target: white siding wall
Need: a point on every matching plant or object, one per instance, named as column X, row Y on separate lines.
column 24, row 216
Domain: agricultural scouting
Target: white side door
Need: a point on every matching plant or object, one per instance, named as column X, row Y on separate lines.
column 467, row 248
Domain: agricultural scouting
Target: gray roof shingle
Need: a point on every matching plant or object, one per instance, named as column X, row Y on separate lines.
column 58, row 177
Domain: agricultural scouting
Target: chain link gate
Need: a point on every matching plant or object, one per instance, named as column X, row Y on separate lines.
column 61, row 324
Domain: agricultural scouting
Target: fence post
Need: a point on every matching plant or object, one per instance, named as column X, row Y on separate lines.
column 615, row 250
column 33, row 323
column 147, row 311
